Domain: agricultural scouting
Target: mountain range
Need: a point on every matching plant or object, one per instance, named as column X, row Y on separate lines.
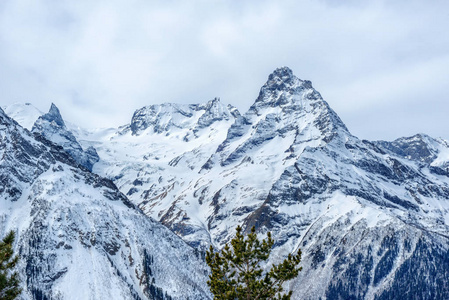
column 78, row 236
column 371, row 217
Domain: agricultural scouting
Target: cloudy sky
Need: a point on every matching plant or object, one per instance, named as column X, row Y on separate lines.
column 383, row 66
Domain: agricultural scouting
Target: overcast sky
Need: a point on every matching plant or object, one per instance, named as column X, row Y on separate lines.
column 383, row 66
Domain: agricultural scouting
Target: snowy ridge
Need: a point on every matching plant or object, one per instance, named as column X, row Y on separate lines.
column 423, row 149
column 172, row 118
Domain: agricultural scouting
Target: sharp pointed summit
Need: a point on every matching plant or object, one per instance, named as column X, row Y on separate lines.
column 284, row 88
column 286, row 107
column 281, row 75
column 54, row 115
column 282, row 80
column 51, row 125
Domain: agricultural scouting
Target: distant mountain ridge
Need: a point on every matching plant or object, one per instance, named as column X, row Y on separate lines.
column 168, row 117
column 370, row 216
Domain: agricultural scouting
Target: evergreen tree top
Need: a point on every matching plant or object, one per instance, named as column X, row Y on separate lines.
column 237, row 273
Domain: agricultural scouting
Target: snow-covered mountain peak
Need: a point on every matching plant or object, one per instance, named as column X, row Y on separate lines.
column 51, row 125
column 295, row 100
column 160, row 117
column 287, row 108
column 281, row 87
column 280, row 76
column 215, row 110
column 169, row 118
column 54, row 115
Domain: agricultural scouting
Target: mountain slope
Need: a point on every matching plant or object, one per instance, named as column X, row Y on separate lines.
column 79, row 237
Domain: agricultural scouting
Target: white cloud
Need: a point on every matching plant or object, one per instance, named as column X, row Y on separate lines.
column 101, row 60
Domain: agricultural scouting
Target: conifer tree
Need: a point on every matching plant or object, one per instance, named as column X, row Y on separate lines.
column 9, row 280
column 237, row 272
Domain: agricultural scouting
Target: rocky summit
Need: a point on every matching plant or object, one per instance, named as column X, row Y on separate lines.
column 52, row 127
column 371, row 217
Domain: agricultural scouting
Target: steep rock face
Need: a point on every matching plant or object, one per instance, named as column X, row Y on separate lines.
column 355, row 258
column 78, row 237
column 422, row 149
column 52, row 127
